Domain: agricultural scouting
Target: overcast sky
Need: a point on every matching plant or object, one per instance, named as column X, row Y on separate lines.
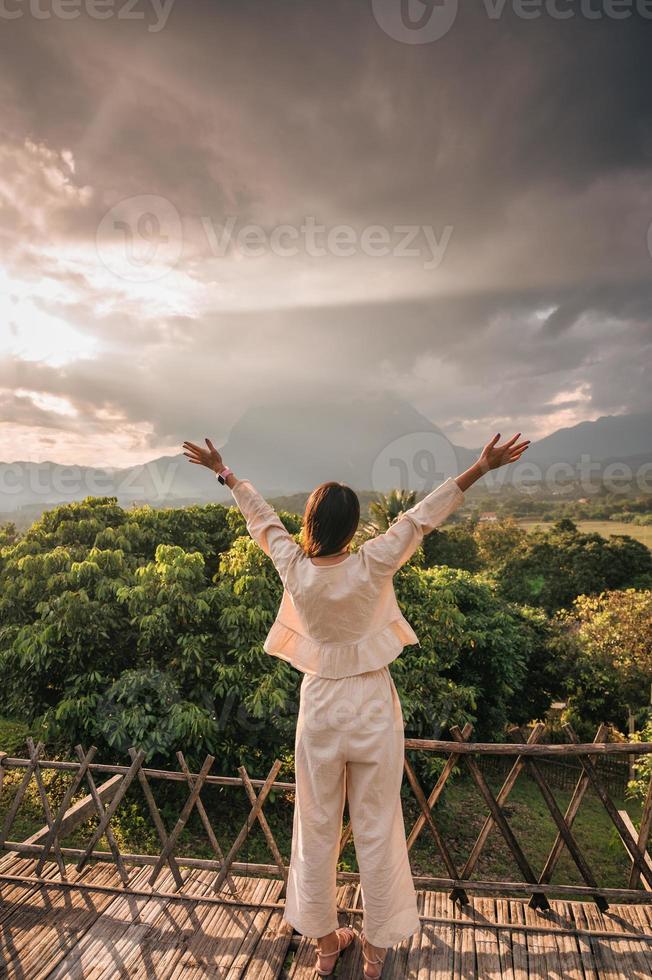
column 214, row 204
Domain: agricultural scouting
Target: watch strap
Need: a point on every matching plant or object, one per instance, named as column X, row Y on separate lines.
column 223, row 474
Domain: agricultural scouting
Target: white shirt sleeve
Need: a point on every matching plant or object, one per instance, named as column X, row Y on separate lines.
column 388, row 551
column 265, row 526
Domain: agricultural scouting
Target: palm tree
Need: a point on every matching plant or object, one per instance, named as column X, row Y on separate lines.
column 389, row 506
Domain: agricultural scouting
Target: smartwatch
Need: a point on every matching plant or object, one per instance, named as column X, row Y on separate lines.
column 222, row 475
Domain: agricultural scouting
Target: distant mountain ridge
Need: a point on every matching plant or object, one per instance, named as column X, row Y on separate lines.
column 371, row 443
column 609, row 437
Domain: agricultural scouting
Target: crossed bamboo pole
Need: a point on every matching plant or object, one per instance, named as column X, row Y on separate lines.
column 460, row 751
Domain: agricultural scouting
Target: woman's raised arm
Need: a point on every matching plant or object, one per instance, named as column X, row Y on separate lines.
column 263, row 523
column 392, row 549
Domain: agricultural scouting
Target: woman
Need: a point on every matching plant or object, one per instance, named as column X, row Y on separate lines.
column 340, row 624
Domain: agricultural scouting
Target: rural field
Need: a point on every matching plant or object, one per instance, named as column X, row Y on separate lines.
column 641, row 533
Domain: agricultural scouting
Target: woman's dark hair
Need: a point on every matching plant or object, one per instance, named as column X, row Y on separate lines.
column 330, row 520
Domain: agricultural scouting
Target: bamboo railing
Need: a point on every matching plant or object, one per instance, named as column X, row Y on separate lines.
column 104, row 800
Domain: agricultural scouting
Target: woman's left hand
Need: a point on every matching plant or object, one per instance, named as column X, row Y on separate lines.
column 204, row 457
column 493, row 455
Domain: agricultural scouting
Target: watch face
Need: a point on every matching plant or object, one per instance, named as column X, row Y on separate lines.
column 221, row 478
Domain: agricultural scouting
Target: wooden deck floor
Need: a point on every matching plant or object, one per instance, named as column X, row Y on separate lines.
column 53, row 932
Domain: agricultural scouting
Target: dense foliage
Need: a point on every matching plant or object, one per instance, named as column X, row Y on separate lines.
column 606, row 658
column 548, row 568
column 145, row 627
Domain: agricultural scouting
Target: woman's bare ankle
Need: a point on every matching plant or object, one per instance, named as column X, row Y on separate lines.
column 327, row 944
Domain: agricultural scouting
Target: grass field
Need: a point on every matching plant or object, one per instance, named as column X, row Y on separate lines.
column 12, row 736
column 606, row 528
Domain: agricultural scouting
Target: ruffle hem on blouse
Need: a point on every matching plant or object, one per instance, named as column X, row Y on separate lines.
column 371, row 652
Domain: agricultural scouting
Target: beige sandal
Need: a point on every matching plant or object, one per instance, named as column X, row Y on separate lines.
column 371, row 961
column 345, row 933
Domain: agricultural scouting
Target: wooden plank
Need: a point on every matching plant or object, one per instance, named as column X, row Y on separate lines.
column 487, row 948
column 584, row 948
column 606, row 963
column 515, row 913
column 567, row 946
column 16, row 895
column 271, row 950
column 428, row 937
column 170, row 930
column 48, row 927
column 348, row 896
column 148, row 936
column 218, row 949
column 635, row 875
column 67, row 933
column 550, row 949
column 563, row 749
column 93, row 946
column 506, row 944
column 142, row 934
column 641, row 921
column 252, row 940
column 443, row 948
column 178, row 933
column 464, row 960
column 536, row 947
column 413, row 943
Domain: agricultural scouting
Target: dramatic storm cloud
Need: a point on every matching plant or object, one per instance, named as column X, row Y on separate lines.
column 208, row 205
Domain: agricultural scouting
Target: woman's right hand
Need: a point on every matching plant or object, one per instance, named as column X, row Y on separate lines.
column 204, row 457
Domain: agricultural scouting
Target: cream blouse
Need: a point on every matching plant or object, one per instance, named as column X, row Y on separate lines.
column 342, row 619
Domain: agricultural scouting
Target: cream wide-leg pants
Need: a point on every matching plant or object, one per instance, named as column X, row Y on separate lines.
column 350, row 743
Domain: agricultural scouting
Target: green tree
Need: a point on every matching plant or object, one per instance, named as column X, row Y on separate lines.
column 455, row 546
column 552, row 567
column 608, row 657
